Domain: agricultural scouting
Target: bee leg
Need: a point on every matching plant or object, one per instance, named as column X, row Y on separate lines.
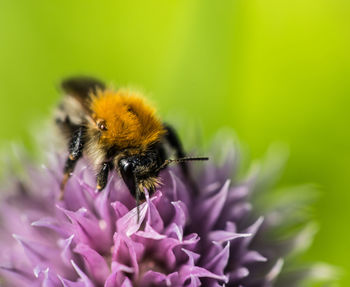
column 76, row 146
column 102, row 176
column 137, row 197
column 174, row 141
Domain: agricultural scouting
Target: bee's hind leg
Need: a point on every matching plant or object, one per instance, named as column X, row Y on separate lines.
column 76, row 146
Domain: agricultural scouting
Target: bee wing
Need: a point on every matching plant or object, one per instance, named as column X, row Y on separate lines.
column 81, row 87
column 73, row 111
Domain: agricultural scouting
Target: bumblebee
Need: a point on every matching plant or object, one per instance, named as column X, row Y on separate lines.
column 116, row 130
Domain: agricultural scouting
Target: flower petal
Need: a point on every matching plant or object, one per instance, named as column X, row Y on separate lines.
column 181, row 213
column 253, row 256
column 119, row 208
column 187, row 271
column 212, row 208
column 127, row 283
column 153, row 278
column 105, row 211
column 48, row 278
column 85, row 279
column 218, row 263
column 192, row 256
column 153, row 217
column 127, row 252
column 238, row 274
column 88, row 231
column 221, row 236
column 94, row 262
column 66, row 253
column 68, row 283
column 36, row 252
column 129, row 224
column 62, row 228
column 150, row 233
column 20, row 277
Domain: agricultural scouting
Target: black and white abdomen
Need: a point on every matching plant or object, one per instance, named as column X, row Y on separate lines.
column 69, row 115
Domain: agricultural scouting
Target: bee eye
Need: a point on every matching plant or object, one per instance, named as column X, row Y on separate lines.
column 126, row 167
column 126, row 170
column 101, row 124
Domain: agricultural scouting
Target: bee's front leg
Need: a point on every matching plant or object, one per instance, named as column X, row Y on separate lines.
column 76, row 146
column 102, row 176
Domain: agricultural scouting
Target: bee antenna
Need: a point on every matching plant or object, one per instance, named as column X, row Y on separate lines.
column 189, row 158
column 182, row 159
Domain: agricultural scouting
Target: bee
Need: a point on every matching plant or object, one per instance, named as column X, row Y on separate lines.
column 117, row 129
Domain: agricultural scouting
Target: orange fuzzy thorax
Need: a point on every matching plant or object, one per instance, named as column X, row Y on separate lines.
column 130, row 121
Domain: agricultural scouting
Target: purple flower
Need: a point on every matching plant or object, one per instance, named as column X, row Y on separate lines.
column 94, row 239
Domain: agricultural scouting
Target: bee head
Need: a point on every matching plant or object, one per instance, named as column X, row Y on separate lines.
column 139, row 172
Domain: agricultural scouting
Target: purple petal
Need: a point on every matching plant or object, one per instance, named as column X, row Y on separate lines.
column 127, row 283
column 188, row 271
column 253, row 229
column 66, row 253
column 218, row 263
column 127, row 252
column 174, row 231
column 238, row 193
column 212, row 207
column 119, row 209
column 103, row 207
column 68, row 283
column 275, row 271
column 85, row 279
column 48, row 278
column 150, row 278
column 181, row 213
column 239, row 210
column 118, row 275
column 153, row 217
column 221, row 236
column 192, row 256
column 62, row 228
column 150, row 233
column 253, row 256
column 238, row 274
column 84, row 186
column 36, row 252
column 194, row 281
column 94, row 262
column 111, row 281
column 74, row 195
column 128, row 224
column 88, row 231
column 231, row 226
column 179, row 191
column 18, row 276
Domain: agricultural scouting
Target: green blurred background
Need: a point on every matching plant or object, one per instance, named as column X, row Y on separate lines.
column 273, row 70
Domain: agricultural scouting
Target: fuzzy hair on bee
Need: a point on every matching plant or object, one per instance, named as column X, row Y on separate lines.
column 117, row 129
